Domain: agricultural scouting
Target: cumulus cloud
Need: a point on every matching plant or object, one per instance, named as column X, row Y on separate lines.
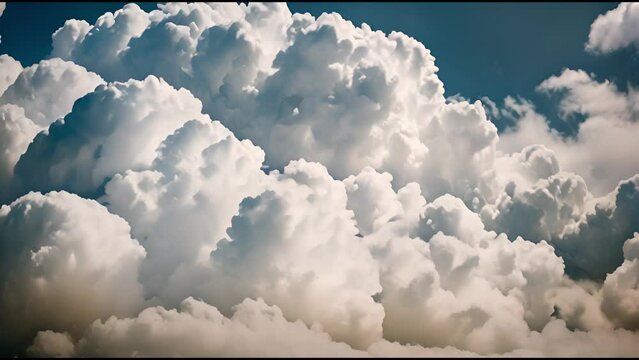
column 60, row 269
column 10, row 69
column 190, row 192
column 620, row 291
column 295, row 245
column 541, row 211
column 3, row 6
column 372, row 99
column 31, row 99
column 16, row 133
column 196, row 329
column 598, row 151
column 38, row 84
column 615, row 29
column 90, row 145
column 464, row 286
column 276, row 184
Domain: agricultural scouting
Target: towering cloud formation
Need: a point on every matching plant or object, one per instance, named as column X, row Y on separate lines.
column 276, row 184
column 323, row 90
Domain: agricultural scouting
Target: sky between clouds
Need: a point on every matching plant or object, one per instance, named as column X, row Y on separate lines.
column 223, row 179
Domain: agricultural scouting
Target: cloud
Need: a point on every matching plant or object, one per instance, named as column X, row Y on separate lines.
column 257, row 329
column 457, row 284
column 280, row 184
column 299, row 87
column 191, row 191
column 587, row 218
column 196, row 329
column 586, row 96
column 595, row 244
column 615, row 29
column 27, row 108
column 589, row 233
column 94, row 141
column 598, row 151
column 10, row 69
column 36, row 85
column 620, row 293
column 295, row 245
column 375, row 203
column 60, row 269
column 16, row 133
column 541, row 211
column 3, row 6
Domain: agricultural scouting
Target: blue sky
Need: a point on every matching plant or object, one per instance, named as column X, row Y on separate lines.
column 481, row 49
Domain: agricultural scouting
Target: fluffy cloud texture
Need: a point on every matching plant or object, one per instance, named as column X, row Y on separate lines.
column 615, row 29
column 65, row 262
column 276, row 184
column 372, row 99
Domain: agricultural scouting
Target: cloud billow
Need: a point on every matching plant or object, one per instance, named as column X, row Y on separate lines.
column 276, row 184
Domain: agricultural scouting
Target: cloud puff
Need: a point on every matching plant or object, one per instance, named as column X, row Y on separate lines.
column 16, row 133
column 257, row 329
column 27, row 108
column 10, row 69
column 615, row 29
column 598, row 151
column 375, row 203
column 66, row 261
column 541, row 211
column 80, row 153
column 50, row 79
column 190, row 192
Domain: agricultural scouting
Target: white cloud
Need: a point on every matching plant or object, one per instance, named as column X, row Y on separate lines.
column 295, row 246
column 374, row 203
column 299, row 87
column 599, row 151
column 16, row 133
column 620, row 291
column 396, row 221
column 191, row 192
column 256, row 329
column 594, row 246
column 66, row 261
column 3, row 6
column 94, row 142
column 9, row 71
column 616, row 29
column 197, row 329
column 540, row 211
column 461, row 285
column 584, row 95
column 38, row 85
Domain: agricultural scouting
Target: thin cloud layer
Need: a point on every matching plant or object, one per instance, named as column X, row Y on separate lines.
column 276, row 184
